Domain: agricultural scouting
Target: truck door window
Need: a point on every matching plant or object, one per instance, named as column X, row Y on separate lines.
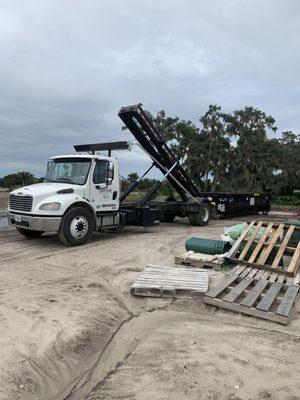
column 100, row 172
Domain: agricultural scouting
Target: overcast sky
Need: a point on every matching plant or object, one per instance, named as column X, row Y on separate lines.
column 67, row 66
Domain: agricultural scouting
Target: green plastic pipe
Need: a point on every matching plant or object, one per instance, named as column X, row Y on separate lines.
column 207, row 246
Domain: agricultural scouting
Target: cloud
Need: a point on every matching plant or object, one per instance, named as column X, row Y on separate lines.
column 67, row 66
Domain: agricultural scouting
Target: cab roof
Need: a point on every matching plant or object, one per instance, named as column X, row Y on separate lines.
column 89, row 156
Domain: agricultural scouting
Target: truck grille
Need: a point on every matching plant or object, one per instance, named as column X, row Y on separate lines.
column 20, row 203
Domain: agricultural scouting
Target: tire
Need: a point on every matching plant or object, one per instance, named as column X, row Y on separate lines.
column 167, row 217
column 202, row 217
column 191, row 218
column 29, row 233
column 77, row 226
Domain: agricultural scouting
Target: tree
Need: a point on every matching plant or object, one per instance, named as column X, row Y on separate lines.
column 203, row 151
column 132, row 177
column 252, row 154
column 290, row 162
column 183, row 139
column 215, row 145
column 179, row 134
column 27, row 178
column 19, row 179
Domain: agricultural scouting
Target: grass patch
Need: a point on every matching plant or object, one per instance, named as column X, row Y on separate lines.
column 287, row 201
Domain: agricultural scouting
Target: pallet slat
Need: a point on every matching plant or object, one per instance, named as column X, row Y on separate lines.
column 222, row 286
column 295, row 260
column 273, row 277
column 234, row 293
column 269, row 297
column 252, row 296
column 260, row 243
column 250, row 241
column 284, row 243
column 287, row 302
column 232, row 252
column 266, row 252
column 259, row 274
column 253, row 273
column 245, row 272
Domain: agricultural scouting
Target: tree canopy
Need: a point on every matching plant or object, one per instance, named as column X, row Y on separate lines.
column 236, row 151
column 20, row 178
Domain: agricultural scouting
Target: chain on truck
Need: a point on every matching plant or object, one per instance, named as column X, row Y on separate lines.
column 81, row 192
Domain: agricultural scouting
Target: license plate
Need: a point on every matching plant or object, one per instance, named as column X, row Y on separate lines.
column 18, row 218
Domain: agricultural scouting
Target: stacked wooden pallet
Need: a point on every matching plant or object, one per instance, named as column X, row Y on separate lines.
column 267, row 253
column 157, row 281
column 256, row 292
column 263, row 283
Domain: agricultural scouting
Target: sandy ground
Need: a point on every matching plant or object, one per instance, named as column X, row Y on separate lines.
column 70, row 329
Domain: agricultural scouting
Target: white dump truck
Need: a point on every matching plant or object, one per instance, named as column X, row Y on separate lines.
column 81, row 192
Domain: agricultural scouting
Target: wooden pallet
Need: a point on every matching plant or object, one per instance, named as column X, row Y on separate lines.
column 256, row 292
column 199, row 260
column 274, row 242
column 156, row 281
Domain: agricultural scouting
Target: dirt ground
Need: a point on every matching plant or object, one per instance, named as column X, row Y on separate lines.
column 69, row 328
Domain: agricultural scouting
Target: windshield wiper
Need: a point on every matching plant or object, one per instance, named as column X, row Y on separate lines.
column 64, row 180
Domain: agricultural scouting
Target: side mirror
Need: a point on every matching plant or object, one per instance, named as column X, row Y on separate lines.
column 110, row 173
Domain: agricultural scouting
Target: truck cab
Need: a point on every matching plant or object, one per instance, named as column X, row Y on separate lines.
column 80, row 194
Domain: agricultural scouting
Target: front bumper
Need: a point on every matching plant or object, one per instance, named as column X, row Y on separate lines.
column 36, row 223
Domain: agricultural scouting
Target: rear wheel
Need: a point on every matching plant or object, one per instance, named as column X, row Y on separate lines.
column 77, row 227
column 29, row 233
column 200, row 218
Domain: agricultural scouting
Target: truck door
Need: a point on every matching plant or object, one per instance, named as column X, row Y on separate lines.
column 104, row 194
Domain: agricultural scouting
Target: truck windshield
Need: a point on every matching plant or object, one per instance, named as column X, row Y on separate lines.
column 68, row 170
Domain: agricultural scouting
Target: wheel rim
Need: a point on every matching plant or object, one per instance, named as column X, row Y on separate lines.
column 79, row 227
column 205, row 214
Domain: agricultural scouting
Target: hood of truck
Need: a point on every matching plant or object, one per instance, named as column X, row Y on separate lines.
column 41, row 192
column 47, row 189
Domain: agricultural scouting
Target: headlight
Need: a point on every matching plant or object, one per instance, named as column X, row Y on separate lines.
column 50, row 206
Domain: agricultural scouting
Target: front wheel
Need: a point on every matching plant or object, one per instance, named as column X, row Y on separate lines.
column 77, row 227
column 29, row 233
column 200, row 218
